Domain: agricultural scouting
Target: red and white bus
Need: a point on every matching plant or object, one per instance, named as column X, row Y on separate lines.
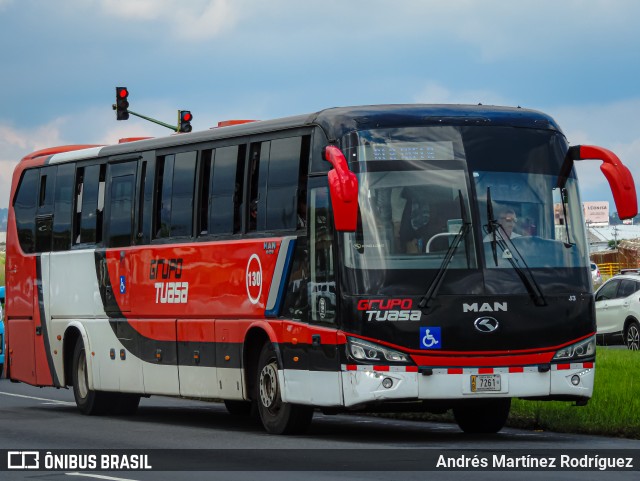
column 402, row 257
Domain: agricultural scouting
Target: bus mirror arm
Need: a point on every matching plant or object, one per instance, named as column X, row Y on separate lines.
column 343, row 187
column 617, row 174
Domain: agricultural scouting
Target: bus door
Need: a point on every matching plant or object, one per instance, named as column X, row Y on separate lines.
column 121, row 188
column 323, row 350
column 20, row 275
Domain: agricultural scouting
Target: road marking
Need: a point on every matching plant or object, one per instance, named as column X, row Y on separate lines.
column 49, row 401
column 99, row 476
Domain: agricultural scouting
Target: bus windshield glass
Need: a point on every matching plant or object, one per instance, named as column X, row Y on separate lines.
column 419, row 185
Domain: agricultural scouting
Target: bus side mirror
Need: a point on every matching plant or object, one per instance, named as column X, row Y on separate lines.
column 343, row 187
column 617, row 174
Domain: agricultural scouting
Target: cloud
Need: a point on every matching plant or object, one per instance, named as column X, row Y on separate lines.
column 16, row 143
column 193, row 20
column 435, row 93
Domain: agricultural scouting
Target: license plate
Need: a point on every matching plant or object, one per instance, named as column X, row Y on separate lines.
column 485, row 382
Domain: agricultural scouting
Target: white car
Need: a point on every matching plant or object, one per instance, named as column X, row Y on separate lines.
column 596, row 278
column 618, row 311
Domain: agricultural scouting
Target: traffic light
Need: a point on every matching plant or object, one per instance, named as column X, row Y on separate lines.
column 122, row 104
column 184, row 120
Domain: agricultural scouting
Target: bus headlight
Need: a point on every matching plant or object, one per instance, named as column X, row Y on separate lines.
column 366, row 351
column 579, row 350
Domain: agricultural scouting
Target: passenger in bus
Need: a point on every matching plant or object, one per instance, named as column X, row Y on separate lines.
column 415, row 221
column 507, row 219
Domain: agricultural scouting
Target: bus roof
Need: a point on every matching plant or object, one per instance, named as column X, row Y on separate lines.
column 338, row 121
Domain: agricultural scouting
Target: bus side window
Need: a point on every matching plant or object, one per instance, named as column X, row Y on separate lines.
column 322, row 287
column 284, row 166
column 257, row 175
column 225, row 194
column 25, row 205
column 122, row 178
column 184, row 172
column 63, row 210
column 204, row 185
column 175, row 183
column 91, row 194
column 44, row 216
column 164, row 185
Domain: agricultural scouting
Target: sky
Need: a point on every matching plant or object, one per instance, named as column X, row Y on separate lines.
column 576, row 60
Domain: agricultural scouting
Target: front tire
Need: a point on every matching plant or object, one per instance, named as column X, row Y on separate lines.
column 88, row 401
column 482, row 416
column 277, row 417
column 632, row 336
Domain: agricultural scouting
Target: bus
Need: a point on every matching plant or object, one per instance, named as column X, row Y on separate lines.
column 356, row 259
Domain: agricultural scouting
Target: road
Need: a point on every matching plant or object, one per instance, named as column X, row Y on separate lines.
column 358, row 447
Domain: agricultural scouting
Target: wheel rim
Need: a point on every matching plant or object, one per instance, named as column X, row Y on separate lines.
column 269, row 396
column 83, row 390
column 633, row 337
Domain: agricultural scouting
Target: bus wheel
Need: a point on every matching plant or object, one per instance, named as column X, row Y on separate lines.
column 632, row 336
column 482, row 416
column 88, row 401
column 277, row 417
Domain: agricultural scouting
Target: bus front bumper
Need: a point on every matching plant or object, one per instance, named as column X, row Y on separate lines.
column 366, row 384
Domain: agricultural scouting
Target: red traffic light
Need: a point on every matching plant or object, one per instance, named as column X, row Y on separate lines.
column 122, row 104
column 184, row 119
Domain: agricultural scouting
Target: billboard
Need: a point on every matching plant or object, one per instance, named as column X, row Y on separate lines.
column 596, row 214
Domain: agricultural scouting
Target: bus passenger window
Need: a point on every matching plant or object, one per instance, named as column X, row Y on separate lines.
column 164, row 184
column 204, row 180
column 286, row 181
column 175, row 182
column 63, row 207
column 90, row 198
column 44, row 218
column 255, row 167
column 225, row 214
column 25, row 207
column 184, row 172
column 322, row 287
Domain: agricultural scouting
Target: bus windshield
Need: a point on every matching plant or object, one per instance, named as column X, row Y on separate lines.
column 418, row 186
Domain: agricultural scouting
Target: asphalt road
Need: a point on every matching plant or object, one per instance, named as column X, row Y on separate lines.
column 336, row 447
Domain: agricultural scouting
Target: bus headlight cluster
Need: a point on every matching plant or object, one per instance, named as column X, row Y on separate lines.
column 579, row 350
column 369, row 352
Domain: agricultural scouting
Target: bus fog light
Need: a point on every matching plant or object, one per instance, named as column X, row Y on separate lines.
column 575, row 379
column 387, row 382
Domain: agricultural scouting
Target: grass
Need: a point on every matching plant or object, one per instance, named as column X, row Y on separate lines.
column 614, row 409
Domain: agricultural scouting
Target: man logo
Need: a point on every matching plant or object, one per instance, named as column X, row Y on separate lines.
column 486, row 324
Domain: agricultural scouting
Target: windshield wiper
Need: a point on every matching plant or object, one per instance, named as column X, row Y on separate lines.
column 437, row 280
column 492, row 226
column 500, row 238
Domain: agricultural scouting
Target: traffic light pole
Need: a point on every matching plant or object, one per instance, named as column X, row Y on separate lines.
column 172, row 127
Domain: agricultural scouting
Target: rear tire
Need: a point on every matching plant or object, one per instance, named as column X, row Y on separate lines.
column 632, row 336
column 88, row 401
column 277, row 417
column 482, row 416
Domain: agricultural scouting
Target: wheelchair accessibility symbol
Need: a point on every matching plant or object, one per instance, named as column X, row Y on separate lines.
column 430, row 338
